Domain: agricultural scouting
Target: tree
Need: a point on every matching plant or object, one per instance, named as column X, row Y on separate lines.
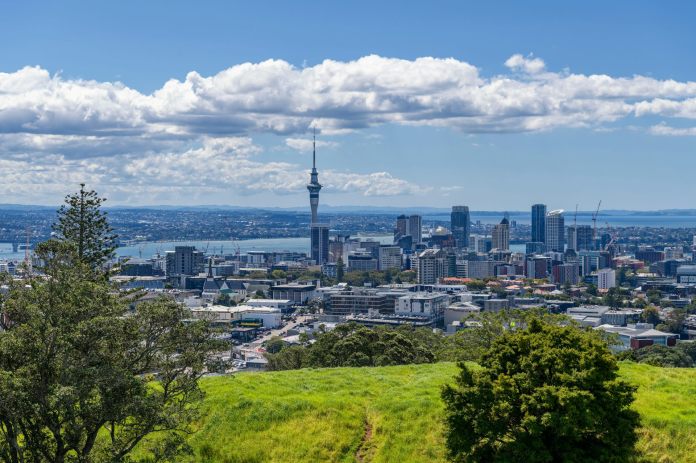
column 85, row 379
column 81, row 222
column 660, row 356
column 278, row 274
column 591, row 289
column 650, row 314
column 340, row 269
column 548, row 393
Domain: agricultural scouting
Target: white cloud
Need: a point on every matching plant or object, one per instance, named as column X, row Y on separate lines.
column 304, row 145
column 194, row 134
column 664, row 129
column 336, row 97
column 529, row 65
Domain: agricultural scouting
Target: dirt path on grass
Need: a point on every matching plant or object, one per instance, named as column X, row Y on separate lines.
column 365, row 449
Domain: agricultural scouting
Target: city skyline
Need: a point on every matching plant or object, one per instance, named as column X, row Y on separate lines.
column 198, row 108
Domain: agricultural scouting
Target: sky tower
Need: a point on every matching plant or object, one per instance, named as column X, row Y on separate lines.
column 319, row 232
column 314, row 186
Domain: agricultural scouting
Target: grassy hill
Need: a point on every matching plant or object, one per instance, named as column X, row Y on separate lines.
column 391, row 414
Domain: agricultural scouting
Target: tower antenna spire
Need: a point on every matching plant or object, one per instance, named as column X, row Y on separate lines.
column 314, row 149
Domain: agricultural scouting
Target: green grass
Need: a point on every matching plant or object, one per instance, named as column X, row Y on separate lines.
column 323, row 415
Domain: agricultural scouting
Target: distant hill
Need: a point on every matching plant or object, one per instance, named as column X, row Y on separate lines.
column 391, row 414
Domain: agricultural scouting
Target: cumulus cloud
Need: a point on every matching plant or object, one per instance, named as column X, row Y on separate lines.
column 196, row 132
column 529, row 65
column 335, row 96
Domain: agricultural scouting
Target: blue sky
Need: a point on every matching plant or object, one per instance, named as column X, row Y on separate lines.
column 470, row 130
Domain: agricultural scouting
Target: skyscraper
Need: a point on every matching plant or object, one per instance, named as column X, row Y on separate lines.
column 409, row 226
column 319, row 233
column 501, row 235
column 555, row 231
column 539, row 223
column 459, row 223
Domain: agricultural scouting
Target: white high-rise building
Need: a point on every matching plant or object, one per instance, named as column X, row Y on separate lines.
column 606, row 278
column 501, row 235
column 555, row 231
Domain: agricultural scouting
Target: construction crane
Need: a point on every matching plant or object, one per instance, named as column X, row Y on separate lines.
column 594, row 223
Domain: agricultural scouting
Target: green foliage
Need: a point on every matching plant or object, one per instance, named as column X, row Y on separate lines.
column 650, row 314
column 274, row 345
column 548, row 393
column 77, row 367
column 472, row 343
column 407, row 276
column 340, row 269
column 682, row 355
column 592, row 289
column 82, row 223
column 278, row 274
column 674, row 321
column 476, row 285
column 355, row 345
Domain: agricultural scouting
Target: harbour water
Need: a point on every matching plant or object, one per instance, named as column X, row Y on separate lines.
column 147, row 249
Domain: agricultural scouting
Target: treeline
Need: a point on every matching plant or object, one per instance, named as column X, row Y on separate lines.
column 683, row 355
column 354, row 345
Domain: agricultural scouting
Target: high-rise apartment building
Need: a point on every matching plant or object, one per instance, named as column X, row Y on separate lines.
column 606, row 278
column 555, row 231
column 460, row 225
column 184, row 260
column 501, row 235
column 539, row 223
column 431, row 265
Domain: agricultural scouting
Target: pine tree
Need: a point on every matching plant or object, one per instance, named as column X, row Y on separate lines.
column 83, row 224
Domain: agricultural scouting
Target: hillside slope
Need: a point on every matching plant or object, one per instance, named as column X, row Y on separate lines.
column 391, row 414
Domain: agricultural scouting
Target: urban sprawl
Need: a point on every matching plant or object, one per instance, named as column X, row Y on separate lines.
column 439, row 277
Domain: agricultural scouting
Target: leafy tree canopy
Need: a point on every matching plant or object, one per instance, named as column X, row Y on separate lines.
column 544, row 394
column 85, row 379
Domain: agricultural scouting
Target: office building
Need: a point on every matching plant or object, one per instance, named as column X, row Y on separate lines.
column 501, row 235
column 319, row 243
column 460, row 225
column 390, row 257
column 539, row 223
column 555, row 231
column 362, row 262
